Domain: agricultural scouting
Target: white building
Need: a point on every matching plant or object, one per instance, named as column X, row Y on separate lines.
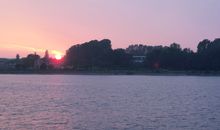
column 139, row 59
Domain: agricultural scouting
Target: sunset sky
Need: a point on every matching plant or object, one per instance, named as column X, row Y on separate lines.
column 36, row 25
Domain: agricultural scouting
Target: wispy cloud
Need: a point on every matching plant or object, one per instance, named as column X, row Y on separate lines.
column 30, row 49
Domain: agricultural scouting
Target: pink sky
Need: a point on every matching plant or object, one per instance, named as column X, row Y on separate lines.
column 36, row 25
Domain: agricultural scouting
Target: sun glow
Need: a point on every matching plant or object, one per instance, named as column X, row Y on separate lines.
column 58, row 56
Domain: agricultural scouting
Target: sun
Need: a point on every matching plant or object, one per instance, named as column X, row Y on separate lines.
column 58, row 56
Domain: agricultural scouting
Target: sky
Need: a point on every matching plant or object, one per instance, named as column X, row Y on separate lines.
column 27, row 26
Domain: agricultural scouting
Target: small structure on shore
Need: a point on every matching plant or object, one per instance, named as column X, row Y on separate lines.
column 138, row 59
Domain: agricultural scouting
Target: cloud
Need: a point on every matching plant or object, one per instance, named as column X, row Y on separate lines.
column 29, row 49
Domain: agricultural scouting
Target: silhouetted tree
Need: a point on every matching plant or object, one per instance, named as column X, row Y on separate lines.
column 172, row 58
column 99, row 54
column 89, row 55
column 208, row 55
column 17, row 57
column 31, row 61
column 121, row 58
column 139, row 49
column 46, row 56
column 203, row 46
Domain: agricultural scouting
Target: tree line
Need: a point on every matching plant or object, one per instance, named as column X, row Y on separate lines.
column 100, row 55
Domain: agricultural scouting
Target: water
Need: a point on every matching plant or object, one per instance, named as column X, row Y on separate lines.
column 67, row 102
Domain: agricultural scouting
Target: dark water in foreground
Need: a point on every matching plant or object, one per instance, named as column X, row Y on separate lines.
column 67, row 102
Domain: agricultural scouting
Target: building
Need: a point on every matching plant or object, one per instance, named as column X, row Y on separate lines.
column 138, row 59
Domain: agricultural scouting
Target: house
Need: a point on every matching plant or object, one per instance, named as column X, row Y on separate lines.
column 138, row 59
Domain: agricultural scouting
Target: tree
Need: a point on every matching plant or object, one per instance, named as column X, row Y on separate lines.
column 90, row 54
column 203, row 45
column 138, row 49
column 171, row 58
column 17, row 57
column 208, row 54
column 31, row 61
column 121, row 58
column 46, row 56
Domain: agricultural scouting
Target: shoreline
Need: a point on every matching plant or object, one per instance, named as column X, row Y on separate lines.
column 115, row 72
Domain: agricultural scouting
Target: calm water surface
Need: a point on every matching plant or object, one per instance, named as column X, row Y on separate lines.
column 67, row 102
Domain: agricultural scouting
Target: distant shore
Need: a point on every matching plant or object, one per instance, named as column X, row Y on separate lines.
column 116, row 72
